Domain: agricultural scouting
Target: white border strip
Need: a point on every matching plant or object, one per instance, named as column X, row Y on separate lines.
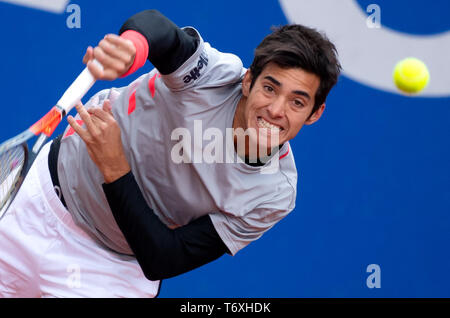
column 55, row 6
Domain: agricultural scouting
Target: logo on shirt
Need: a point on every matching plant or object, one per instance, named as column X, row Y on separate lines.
column 195, row 72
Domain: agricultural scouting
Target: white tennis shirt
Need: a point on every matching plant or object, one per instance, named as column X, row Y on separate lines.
column 165, row 119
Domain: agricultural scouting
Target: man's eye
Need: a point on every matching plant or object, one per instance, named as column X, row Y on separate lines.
column 268, row 88
column 298, row 103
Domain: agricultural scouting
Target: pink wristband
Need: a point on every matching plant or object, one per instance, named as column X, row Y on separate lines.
column 141, row 45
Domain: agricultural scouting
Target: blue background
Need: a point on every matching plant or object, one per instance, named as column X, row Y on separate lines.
column 374, row 175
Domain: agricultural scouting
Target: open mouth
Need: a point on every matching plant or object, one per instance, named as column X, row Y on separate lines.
column 262, row 123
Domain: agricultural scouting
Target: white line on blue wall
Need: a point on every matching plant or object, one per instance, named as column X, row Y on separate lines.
column 55, row 6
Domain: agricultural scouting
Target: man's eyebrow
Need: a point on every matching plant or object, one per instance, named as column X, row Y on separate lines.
column 270, row 78
column 277, row 83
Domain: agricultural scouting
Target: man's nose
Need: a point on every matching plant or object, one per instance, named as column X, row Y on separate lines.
column 277, row 108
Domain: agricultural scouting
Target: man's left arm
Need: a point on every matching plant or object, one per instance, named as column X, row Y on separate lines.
column 160, row 251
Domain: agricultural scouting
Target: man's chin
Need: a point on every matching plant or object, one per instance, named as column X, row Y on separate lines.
column 259, row 142
column 262, row 149
column 268, row 139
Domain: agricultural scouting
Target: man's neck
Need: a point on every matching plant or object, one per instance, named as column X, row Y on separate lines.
column 239, row 122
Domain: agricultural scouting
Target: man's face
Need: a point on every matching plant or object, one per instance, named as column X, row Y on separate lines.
column 281, row 101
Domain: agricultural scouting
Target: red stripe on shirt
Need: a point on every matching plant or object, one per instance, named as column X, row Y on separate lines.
column 151, row 84
column 132, row 103
column 71, row 131
column 287, row 152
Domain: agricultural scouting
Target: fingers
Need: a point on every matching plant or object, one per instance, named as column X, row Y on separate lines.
column 100, row 125
column 108, row 61
column 95, row 70
column 112, row 68
column 86, row 117
column 104, row 114
column 89, row 56
column 115, row 54
column 96, row 121
column 107, row 107
column 121, row 53
column 122, row 43
column 78, row 129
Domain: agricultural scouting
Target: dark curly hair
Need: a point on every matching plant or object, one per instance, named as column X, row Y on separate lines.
column 297, row 46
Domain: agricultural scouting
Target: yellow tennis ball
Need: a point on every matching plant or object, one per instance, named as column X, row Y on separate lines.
column 411, row 75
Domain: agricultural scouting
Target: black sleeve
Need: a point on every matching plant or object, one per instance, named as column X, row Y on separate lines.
column 169, row 46
column 161, row 252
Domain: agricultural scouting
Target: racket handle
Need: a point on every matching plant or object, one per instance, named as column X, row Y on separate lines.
column 77, row 89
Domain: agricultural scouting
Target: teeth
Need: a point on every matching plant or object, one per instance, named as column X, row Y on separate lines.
column 264, row 124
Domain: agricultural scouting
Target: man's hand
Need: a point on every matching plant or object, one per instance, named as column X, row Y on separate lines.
column 114, row 53
column 103, row 141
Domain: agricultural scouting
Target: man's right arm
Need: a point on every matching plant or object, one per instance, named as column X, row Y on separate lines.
column 169, row 46
column 147, row 35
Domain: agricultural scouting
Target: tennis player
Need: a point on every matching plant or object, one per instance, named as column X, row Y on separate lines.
column 126, row 196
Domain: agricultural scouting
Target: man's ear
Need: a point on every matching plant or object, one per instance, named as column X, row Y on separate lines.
column 316, row 116
column 246, row 83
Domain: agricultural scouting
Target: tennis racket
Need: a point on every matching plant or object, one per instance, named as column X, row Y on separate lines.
column 15, row 156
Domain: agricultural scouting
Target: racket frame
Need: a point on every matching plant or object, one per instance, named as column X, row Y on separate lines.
column 45, row 127
column 20, row 178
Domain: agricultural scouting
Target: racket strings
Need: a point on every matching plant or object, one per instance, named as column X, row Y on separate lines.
column 12, row 163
